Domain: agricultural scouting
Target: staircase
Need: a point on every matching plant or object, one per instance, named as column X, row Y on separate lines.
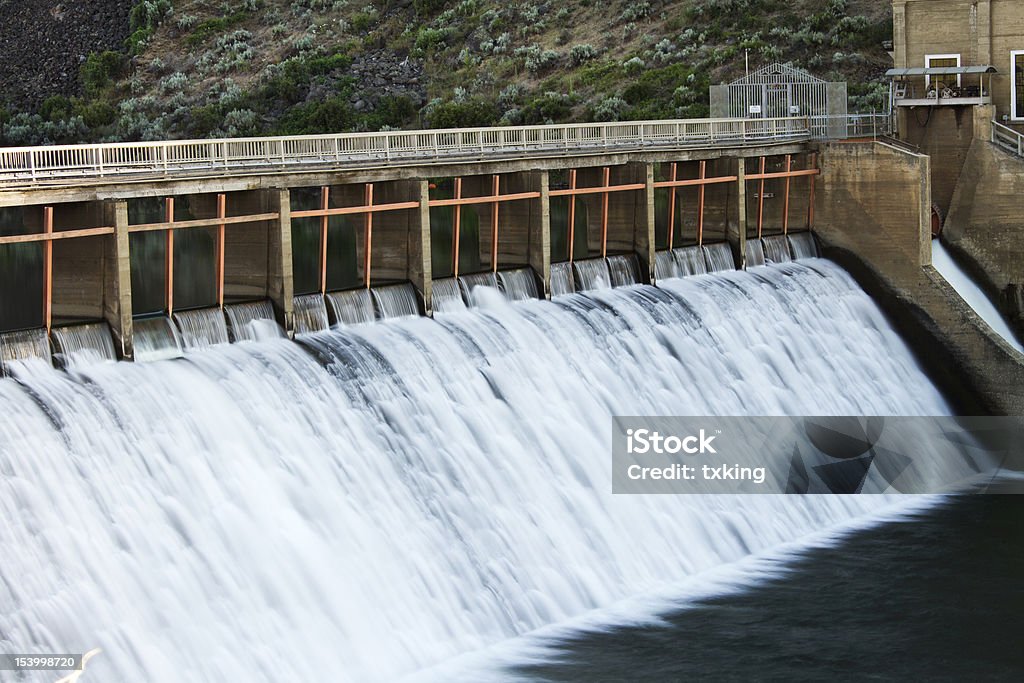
column 1008, row 139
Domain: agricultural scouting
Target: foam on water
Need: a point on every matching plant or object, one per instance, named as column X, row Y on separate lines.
column 592, row 274
column 252, row 321
column 310, row 314
column 776, row 249
column 156, row 339
column 561, row 279
column 469, row 283
column 352, row 307
column 78, row 345
column 519, row 284
column 719, row 257
column 379, row 500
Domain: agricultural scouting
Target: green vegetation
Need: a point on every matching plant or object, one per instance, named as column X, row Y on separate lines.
column 247, row 67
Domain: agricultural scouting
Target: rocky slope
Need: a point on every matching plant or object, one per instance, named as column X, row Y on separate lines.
column 199, row 68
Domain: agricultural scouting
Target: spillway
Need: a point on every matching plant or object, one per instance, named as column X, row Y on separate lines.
column 370, row 502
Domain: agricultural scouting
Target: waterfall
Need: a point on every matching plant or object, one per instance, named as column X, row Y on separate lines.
column 446, row 296
column 690, row 260
column 755, row 253
column 519, row 284
column 665, row 265
column 624, row 270
column 395, row 301
column 202, row 327
column 352, row 307
column 801, row 245
column 156, row 339
column 374, row 501
column 310, row 313
column 719, row 257
column 776, row 249
column 592, row 274
column 471, row 282
column 252, row 321
column 78, row 345
column 561, row 279
column 22, row 345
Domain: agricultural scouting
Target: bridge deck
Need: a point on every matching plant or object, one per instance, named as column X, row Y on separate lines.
column 57, row 166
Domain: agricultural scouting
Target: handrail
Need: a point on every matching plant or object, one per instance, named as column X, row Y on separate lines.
column 1008, row 138
column 34, row 165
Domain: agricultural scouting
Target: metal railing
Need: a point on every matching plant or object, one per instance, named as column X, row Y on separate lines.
column 1008, row 138
column 31, row 165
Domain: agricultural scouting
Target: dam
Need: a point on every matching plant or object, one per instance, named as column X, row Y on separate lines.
column 358, row 430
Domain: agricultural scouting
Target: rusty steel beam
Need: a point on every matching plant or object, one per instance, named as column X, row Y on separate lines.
column 489, row 199
column 700, row 203
column 600, row 189
column 222, row 213
column 169, row 255
column 325, row 200
column 783, row 174
column 204, row 222
column 495, row 191
column 48, row 268
column 368, row 235
column 697, row 181
column 60, row 235
column 760, row 199
column 672, row 206
column 810, row 204
column 456, row 227
column 606, row 182
column 349, row 210
column 572, row 212
column 785, row 206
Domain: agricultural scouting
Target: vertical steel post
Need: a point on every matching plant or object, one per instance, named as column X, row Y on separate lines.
column 785, row 209
column 169, row 255
column 368, row 235
column 221, row 229
column 457, row 228
column 672, row 208
column 325, row 202
column 572, row 214
column 760, row 202
column 606, row 182
column 495, row 190
column 48, row 268
column 700, row 203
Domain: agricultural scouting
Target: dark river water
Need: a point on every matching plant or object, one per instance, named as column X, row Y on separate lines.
column 939, row 596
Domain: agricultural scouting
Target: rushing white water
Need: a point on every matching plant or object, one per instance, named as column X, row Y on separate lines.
column 77, row 345
column 592, row 274
column 665, row 266
column 719, row 257
column 755, row 253
column 776, row 249
column 411, row 492
column 690, row 260
column 252, row 321
column 561, row 279
column 801, row 245
column 310, row 313
column 446, row 296
column 156, row 339
column 202, row 327
column 971, row 293
column 624, row 270
column 395, row 301
column 519, row 284
column 352, row 307
column 469, row 283
column 15, row 346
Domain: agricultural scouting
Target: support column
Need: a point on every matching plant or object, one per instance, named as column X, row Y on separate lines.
column 741, row 220
column 644, row 236
column 420, row 269
column 540, row 231
column 281, row 283
column 117, row 305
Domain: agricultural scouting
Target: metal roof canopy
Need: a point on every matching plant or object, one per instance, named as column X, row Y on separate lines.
column 777, row 73
column 942, row 70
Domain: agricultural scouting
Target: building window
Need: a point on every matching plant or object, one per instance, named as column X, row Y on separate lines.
column 936, row 61
column 1017, row 85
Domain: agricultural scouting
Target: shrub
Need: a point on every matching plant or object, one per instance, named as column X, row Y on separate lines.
column 609, row 109
column 580, row 54
column 100, row 68
column 471, row 113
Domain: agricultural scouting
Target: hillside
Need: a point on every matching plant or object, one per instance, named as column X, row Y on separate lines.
column 197, row 68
